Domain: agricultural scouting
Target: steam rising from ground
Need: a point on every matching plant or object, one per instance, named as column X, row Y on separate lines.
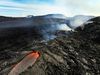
column 47, row 26
column 50, row 30
column 78, row 20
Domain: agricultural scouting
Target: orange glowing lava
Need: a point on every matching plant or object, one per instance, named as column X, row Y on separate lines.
column 29, row 60
column 34, row 54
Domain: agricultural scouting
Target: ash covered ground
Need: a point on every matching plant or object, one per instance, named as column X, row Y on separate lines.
column 76, row 54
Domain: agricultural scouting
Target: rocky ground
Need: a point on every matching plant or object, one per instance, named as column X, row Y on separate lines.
column 77, row 54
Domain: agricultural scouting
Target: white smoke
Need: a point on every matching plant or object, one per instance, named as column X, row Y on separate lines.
column 48, row 31
column 78, row 20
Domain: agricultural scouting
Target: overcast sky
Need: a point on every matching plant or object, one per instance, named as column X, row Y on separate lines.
column 42, row 7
